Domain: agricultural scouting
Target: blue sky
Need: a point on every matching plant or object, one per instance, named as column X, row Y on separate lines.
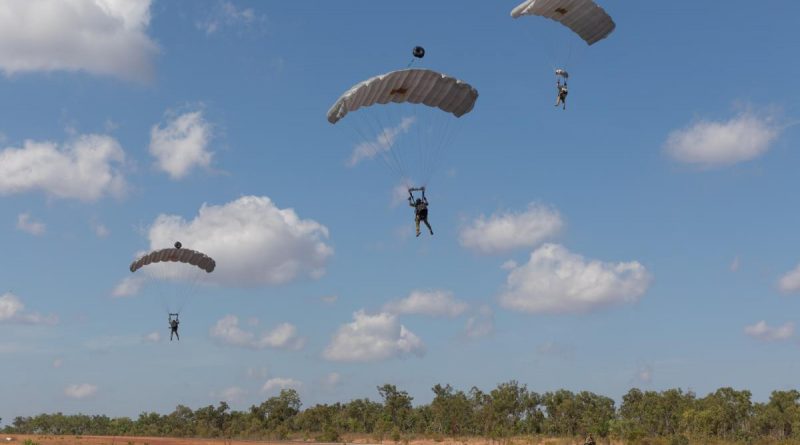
column 646, row 236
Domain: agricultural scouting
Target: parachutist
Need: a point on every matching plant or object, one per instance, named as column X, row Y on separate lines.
column 173, row 326
column 561, row 99
column 420, row 208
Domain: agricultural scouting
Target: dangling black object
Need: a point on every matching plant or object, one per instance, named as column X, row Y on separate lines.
column 178, row 245
column 418, row 52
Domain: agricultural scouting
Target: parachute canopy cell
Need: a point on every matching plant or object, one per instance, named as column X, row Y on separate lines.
column 187, row 256
column 415, row 86
column 585, row 17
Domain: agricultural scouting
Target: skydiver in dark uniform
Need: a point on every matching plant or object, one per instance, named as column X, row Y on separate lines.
column 420, row 208
column 173, row 326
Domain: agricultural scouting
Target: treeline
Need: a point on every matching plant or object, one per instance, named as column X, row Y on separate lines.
column 508, row 410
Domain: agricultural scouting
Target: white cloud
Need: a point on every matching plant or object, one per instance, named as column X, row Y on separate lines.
column 280, row 383
column 400, row 194
column 80, row 391
column 764, row 332
column 153, row 337
column 372, row 338
column 12, row 310
column 257, row 373
column 735, row 264
column 253, row 242
column 85, row 168
column 99, row 229
column 181, row 144
column 429, row 302
column 332, row 380
column 26, row 223
column 508, row 265
column 129, row 286
column 645, row 374
column 481, row 323
column 234, row 394
column 506, row 231
column 283, row 336
column 791, row 281
column 382, row 143
column 558, row 281
column 228, row 15
column 329, row 299
column 106, row 37
column 713, row 144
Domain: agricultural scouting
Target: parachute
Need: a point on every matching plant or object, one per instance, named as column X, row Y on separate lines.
column 584, row 17
column 400, row 94
column 176, row 254
column 412, row 85
column 162, row 267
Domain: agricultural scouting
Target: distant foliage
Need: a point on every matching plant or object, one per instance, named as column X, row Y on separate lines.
column 671, row 417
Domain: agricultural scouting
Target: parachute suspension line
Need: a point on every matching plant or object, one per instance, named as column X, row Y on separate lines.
column 439, row 154
column 391, row 129
column 372, row 141
column 394, row 115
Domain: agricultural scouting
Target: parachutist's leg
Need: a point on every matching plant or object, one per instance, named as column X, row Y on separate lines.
column 429, row 226
column 416, row 223
column 178, row 336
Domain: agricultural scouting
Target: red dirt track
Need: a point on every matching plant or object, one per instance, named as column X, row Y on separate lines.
column 18, row 439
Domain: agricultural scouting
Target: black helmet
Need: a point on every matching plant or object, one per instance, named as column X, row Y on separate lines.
column 419, row 52
column 419, row 201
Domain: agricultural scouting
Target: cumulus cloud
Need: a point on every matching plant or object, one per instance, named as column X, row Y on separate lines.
column 481, row 323
column 283, row 336
column 437, row 303
column 12, row 310
column 181, row 144
column 383, row 143
column 735, row 264
column 228, row 15
column 329, row 299
column 257, row 373
column 80, row 391
column 254, row 242
column 234, row 394
column 129, row 286
column 644, row 374
column 26, row 223
column 711, row 144
column 372, row 338
column 790, row 282
column 99, row 229
column 86, row 168
column 105, row 37
column 505, row 231
column 280, row 383
column 332, row 380
column 764, row 332
column 556, row 280
column 153, row 337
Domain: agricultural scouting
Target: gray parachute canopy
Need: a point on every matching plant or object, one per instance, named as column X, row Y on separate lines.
column 415, row 86
column 187, row 256
column 585, row 17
